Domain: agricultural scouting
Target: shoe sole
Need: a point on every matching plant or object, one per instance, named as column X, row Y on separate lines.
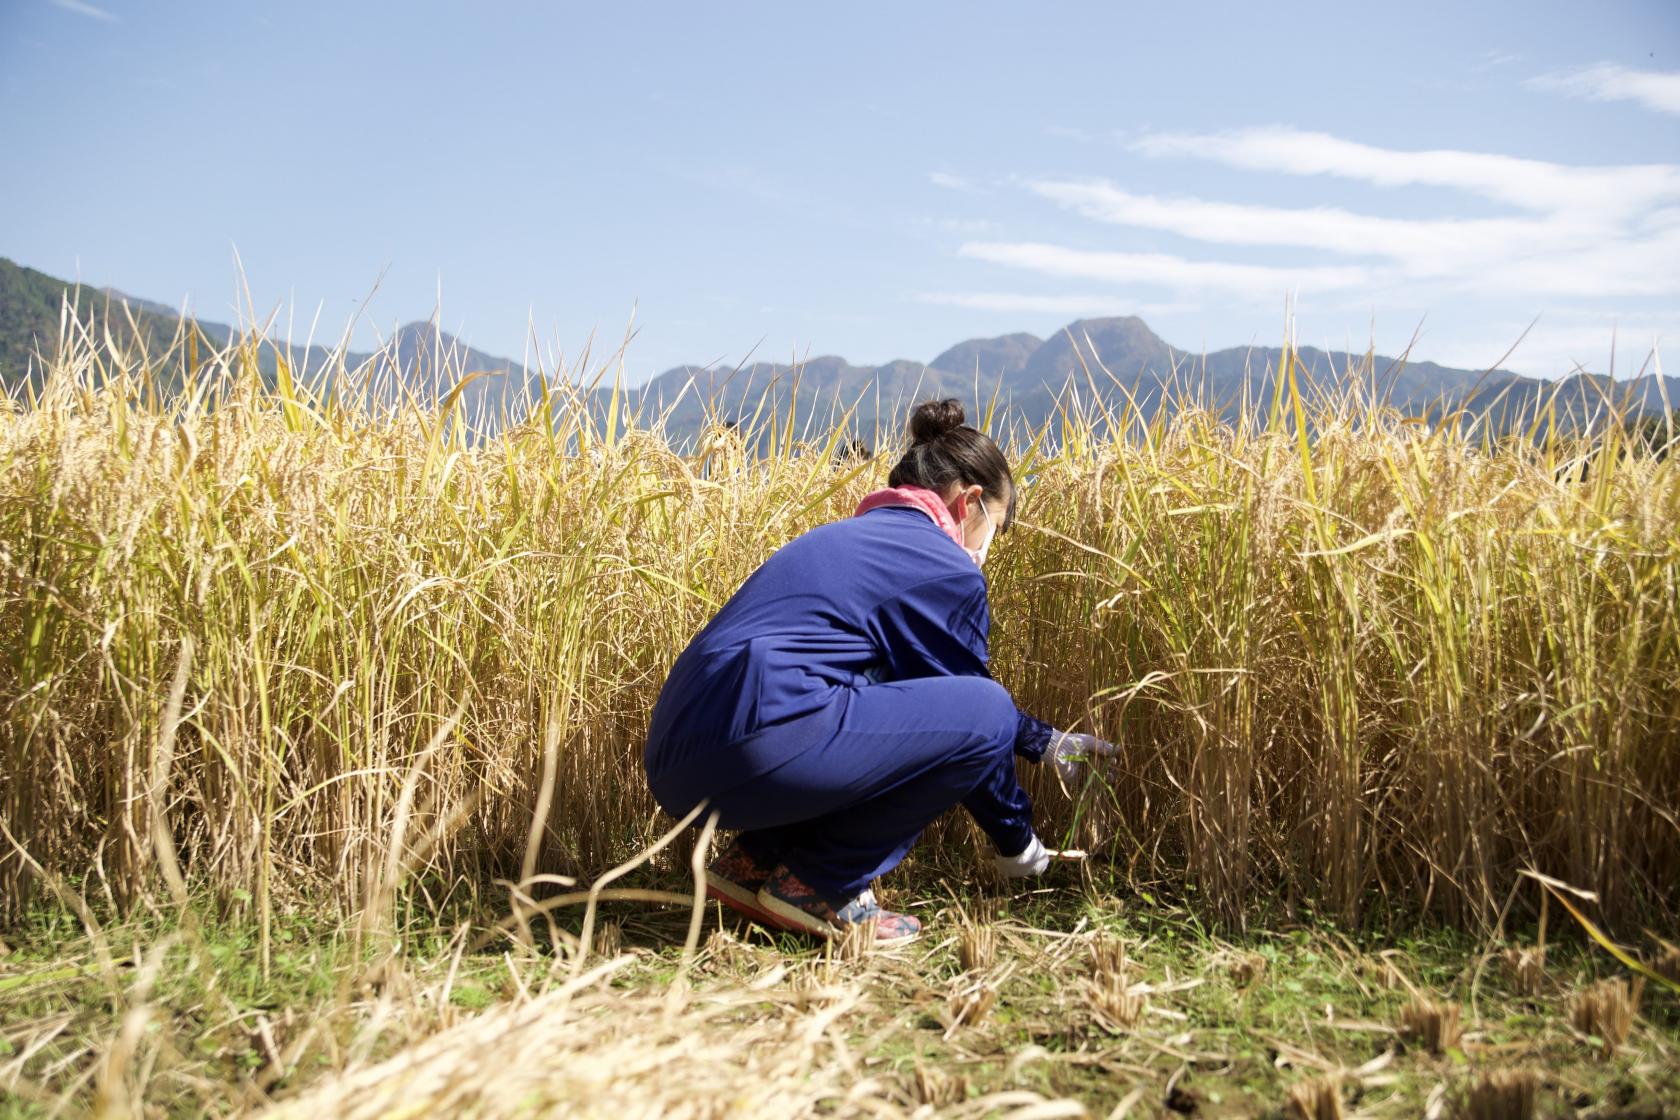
column 738, row 899
column 790, row 917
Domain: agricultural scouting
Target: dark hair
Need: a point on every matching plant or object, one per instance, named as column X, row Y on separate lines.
column 944, row 450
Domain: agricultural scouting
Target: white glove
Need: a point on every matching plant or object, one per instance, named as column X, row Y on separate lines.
column 1032, row 861
column 1068, row 750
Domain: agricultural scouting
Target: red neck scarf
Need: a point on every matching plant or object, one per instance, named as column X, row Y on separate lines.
column 914, row 497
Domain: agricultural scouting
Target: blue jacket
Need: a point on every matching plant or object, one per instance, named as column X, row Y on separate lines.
column 881, row 597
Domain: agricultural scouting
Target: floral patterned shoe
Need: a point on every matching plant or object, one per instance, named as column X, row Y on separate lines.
column 734, row 878
column 794, row 905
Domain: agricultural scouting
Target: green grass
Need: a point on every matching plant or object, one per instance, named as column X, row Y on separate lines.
column 1214, row 1039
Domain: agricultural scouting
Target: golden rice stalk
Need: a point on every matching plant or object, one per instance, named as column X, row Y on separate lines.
column 1246, row 968
column 1667, row 962
column 969, row 1006
column 1525, row 969
column 818, row 986
column 1108, row 991
column 853, row 943
column 1502, row 1094
column 722, row 949
column 976, row 947
column 1318, row 1098
column 1108, row 955
column 1383, row 972
column 932, row 1086
column 1431, row 1025
column 609, row 939
column 1606, row 1011
column 1113, row 1004
column 347, row 574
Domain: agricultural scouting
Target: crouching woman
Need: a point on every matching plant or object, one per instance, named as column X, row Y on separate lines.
column 840, row 700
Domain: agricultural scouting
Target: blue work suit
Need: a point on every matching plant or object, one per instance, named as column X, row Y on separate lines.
column 840, row 701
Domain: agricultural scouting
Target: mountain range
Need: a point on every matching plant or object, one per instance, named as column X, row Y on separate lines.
column 1106, row 362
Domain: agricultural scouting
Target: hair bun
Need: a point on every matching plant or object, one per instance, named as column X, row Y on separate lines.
column 932, row 419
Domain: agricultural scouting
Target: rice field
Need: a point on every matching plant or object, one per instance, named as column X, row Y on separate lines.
column 348, row 707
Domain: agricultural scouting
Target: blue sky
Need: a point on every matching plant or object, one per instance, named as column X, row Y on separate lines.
column 873, row 180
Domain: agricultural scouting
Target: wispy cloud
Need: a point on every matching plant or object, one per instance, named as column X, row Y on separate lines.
column 91, row 11
column 1654, row 89
column 1564, row 253
column 1562, row 343
column 1163, row 270
column 952, row 182
column 1576, row 234
column 1529, row 184
column 963, row 227
column 1336, row 230
column 1024, row 303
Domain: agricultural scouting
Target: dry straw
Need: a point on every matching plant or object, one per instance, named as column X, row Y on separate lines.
column 1503, row 1094
column 1346, row 656
column 854, row 943
column 1109, row 993
column 933, row 1086
column 609, row 939
column 1318, row 1098
column 585, row 1049
column 976, row 947
column 1245, row 968
column 1525, row 969
column 1606, row 1011
column 1433, row 1026
column 970, row 1005
column 1667, row 962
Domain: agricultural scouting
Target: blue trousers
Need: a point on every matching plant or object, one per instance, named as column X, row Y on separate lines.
column 843, row 811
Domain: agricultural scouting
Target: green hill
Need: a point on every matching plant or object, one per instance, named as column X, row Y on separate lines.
column 31, row 305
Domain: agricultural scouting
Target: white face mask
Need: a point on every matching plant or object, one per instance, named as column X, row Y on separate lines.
column 979, row 554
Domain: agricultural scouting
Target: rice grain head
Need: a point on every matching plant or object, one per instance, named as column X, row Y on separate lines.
column 348, row 571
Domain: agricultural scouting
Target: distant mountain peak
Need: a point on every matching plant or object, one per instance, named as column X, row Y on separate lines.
column 426, row 330
column 1109, row 321
column 1123, row 344
column 1129, row 327
column 1117, row 359
column 989, row 357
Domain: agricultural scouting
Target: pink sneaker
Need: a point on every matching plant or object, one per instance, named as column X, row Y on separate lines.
column 734, row 878
column 791, row 904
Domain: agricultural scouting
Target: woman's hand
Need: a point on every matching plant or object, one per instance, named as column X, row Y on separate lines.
column 1069, row 749
column 1031, row 861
